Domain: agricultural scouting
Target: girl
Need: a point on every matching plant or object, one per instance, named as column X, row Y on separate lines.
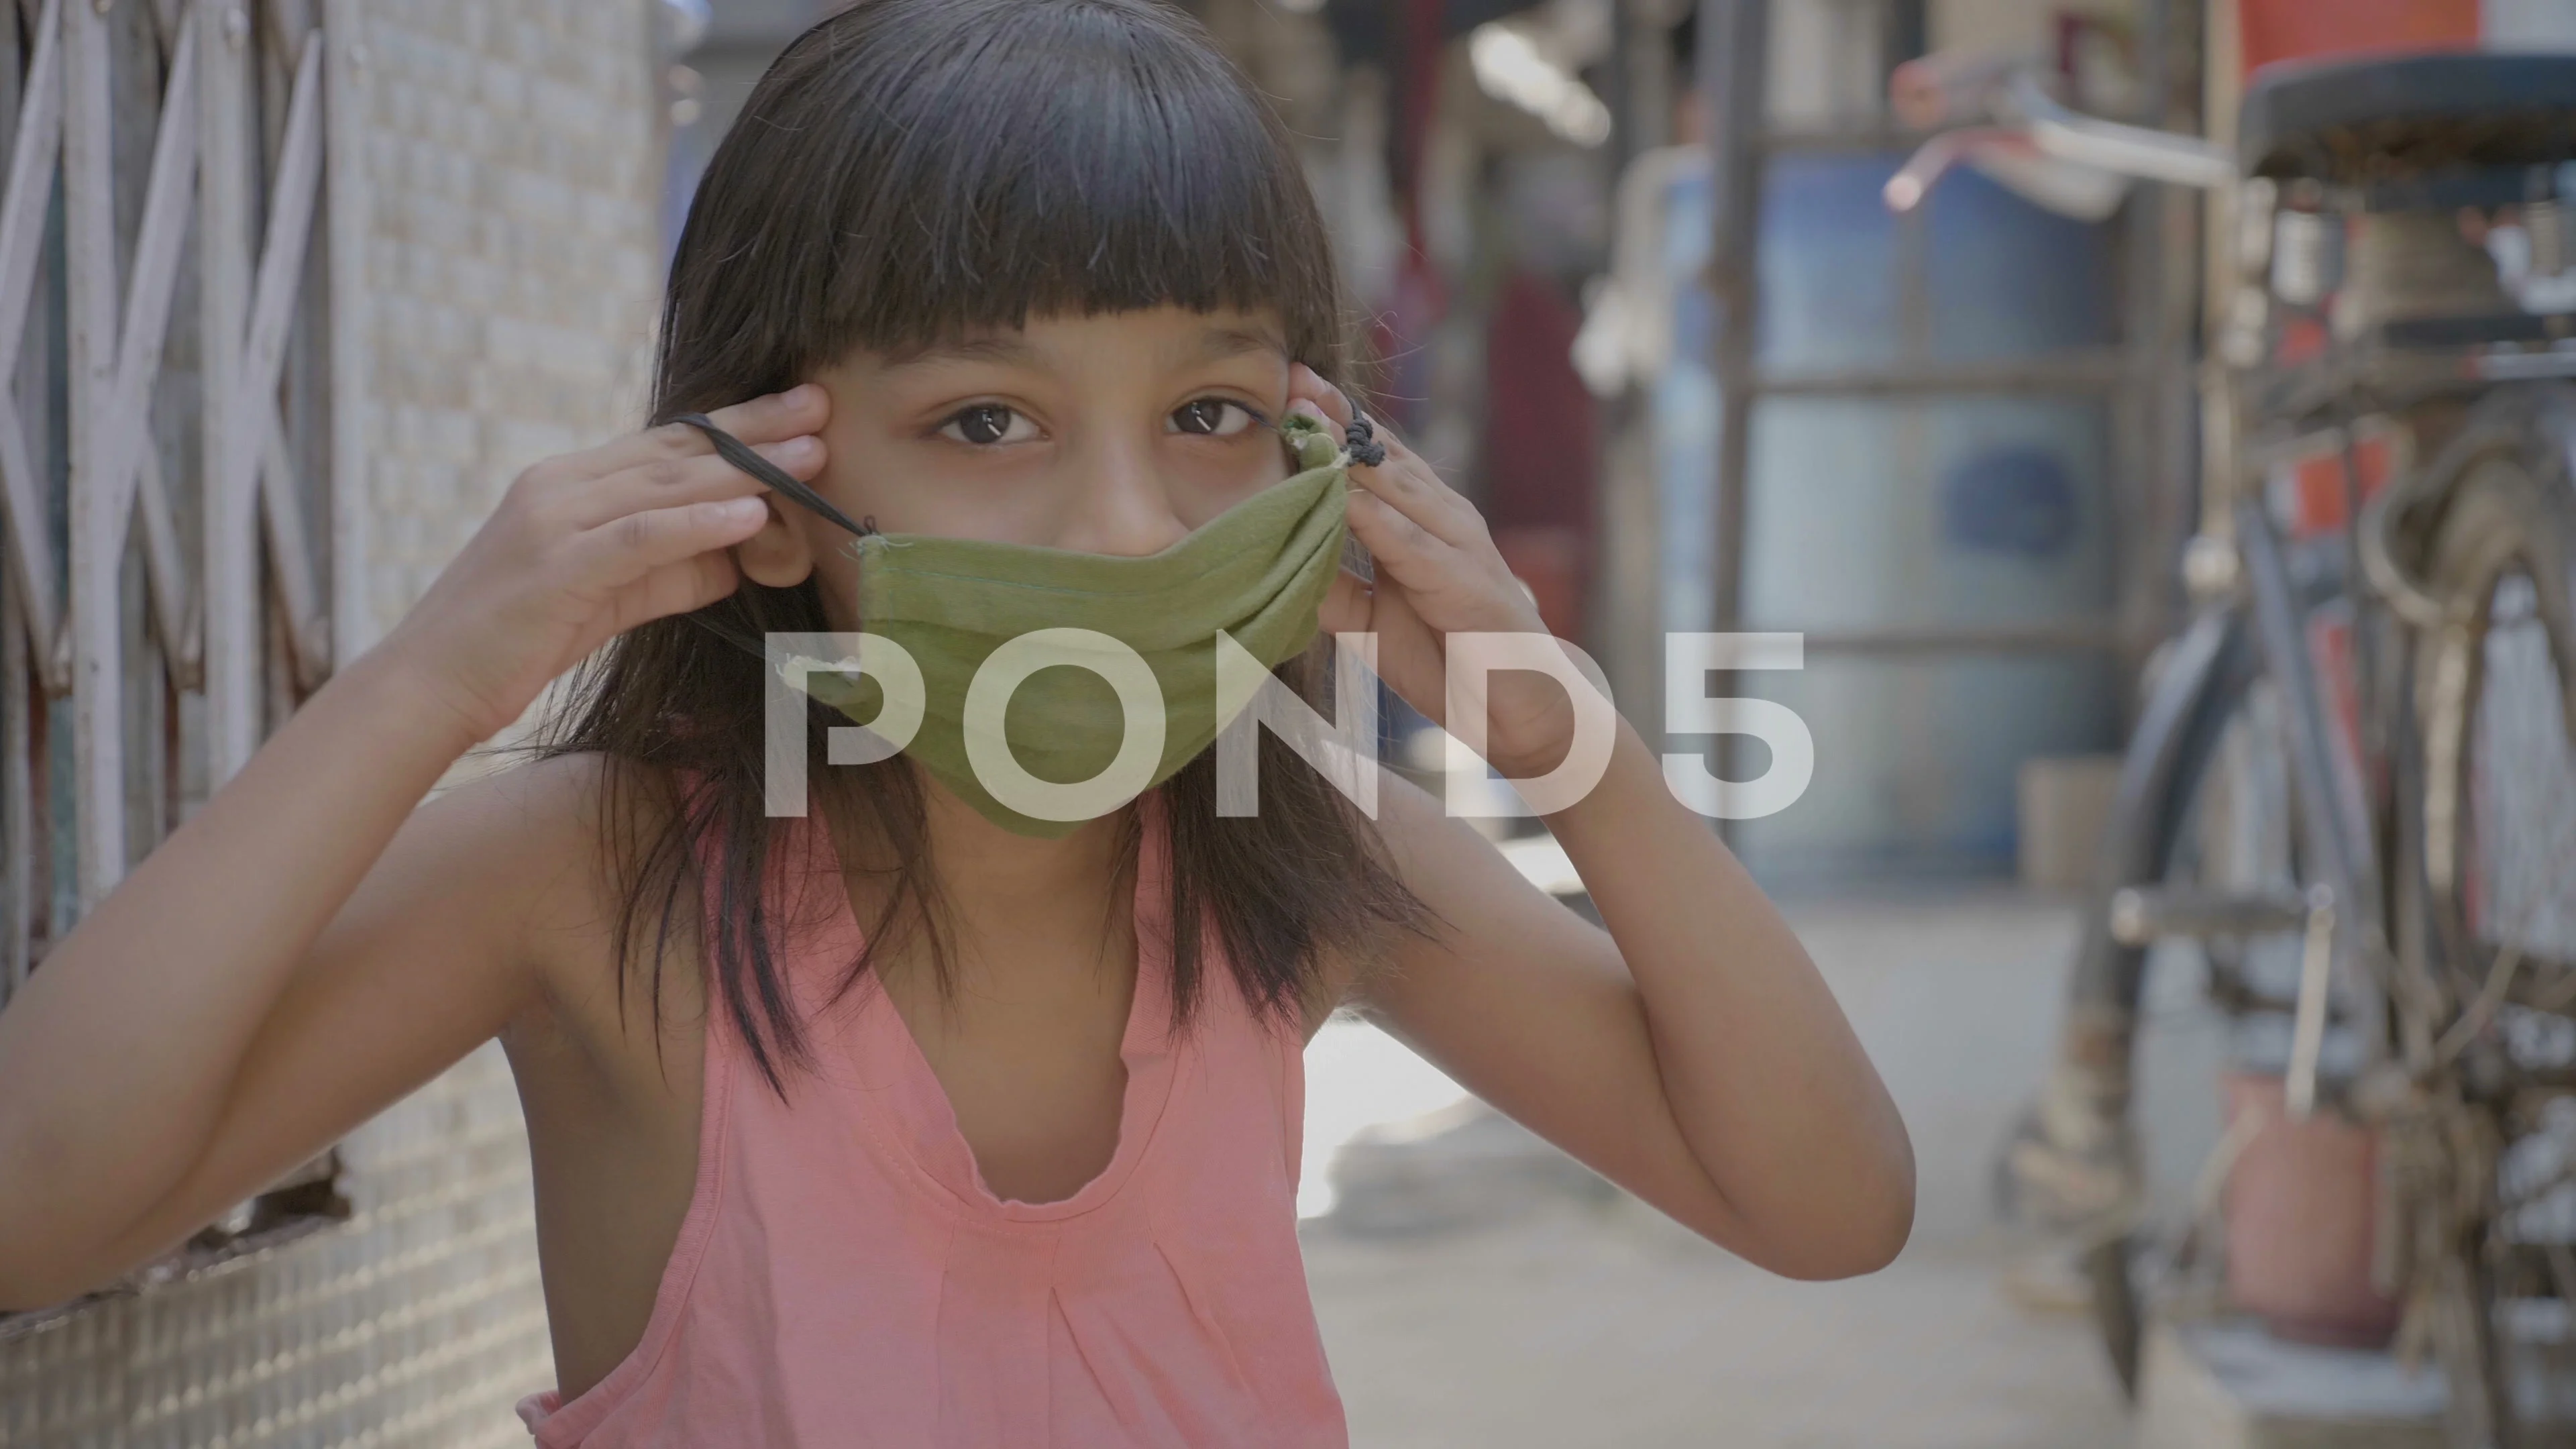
column 902, row 1122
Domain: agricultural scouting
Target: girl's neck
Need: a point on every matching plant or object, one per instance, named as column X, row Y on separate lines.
column 1029, row 915
column 1021, row 914
column 982, row 867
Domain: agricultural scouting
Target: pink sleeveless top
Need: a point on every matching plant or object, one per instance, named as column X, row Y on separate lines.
column 844, row 1277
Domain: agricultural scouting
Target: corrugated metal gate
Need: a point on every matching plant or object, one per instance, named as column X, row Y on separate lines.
column 173, row 476
column 289, row 289
column 167, row 472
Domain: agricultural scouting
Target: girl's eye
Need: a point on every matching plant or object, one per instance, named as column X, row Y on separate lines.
column 1212, row 417
column 986, row 424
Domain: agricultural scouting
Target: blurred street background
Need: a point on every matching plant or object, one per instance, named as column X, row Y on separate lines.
column 1476, row 1289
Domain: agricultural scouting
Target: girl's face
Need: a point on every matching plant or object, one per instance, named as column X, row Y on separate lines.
column 1115, row 434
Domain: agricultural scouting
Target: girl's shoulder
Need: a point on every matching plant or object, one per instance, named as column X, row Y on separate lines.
column 1475, row 901
column 545, row 831
column 559, row 845
column 1420, row 846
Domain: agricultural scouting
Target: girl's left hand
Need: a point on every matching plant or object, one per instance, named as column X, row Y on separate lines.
column 1438, row 574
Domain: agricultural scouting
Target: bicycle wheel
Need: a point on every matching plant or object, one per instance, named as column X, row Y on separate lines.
column 2494, row 1136
column 2116, row 1154
column 2211, row 1000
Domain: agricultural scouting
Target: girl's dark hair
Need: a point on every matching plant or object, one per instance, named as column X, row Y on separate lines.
column 909, row 170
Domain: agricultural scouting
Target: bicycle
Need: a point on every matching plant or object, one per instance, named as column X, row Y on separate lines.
column 2352, row 785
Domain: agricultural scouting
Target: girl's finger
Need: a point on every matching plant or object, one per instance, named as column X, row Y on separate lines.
column 614, row 555
column 1402, row 548
column 800, row 410
column 1404, row 479
column 1308, row 386
column 679, row 588
column 669, row 482
column 1409, row 486
column 674, row 589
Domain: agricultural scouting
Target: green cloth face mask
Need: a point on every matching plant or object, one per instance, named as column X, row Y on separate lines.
column 1039, row 721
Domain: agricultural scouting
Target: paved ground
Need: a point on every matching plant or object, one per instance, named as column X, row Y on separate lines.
column 1565, row 1323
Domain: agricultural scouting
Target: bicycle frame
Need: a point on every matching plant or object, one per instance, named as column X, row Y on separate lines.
column 2340, row 848
column 2205, row 671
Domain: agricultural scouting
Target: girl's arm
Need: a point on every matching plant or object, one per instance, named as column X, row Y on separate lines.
column 305, row 949
column 245, row 998
column 1691, row 1054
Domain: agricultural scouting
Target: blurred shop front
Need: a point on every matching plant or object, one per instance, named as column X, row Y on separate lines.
column 1936, row 452
column 1950, row 451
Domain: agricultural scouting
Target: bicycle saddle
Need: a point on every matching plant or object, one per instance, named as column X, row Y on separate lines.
column 2358, row 121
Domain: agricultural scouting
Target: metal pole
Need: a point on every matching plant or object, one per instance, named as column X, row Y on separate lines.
column 1627, row 589
column 97, row 525
column 1732, row 47
column 2151, row 422
column 1733, row 50
column 2171, row 54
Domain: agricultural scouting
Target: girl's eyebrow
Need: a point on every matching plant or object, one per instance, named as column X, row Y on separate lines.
column 1216, row 344
column 989, row 347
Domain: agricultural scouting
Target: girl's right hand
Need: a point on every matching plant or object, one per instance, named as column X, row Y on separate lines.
column 588, row 545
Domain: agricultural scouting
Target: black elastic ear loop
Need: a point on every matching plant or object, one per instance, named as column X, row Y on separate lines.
column 733, row 450
column 738, row 453
column 1361, row 437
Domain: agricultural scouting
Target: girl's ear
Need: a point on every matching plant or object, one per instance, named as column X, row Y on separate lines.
column 777, row 556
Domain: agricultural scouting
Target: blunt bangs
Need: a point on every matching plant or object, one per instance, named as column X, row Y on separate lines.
column 1010, row 159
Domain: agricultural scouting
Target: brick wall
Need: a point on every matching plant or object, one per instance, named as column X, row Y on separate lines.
column 516, row 263
column 512, row 265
